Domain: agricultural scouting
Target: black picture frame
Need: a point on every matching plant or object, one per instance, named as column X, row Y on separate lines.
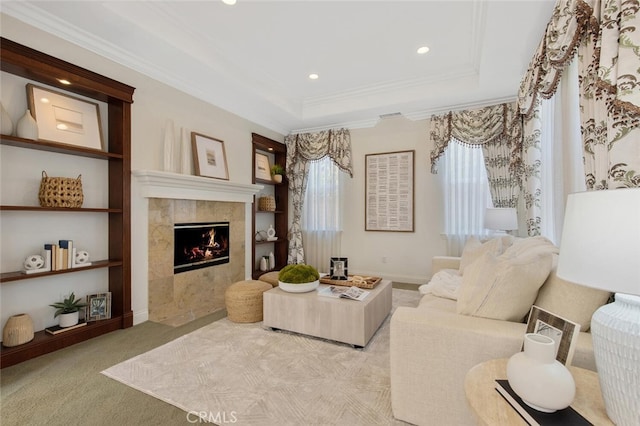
column 563, row 332
column 339, row 268
column 98, row 306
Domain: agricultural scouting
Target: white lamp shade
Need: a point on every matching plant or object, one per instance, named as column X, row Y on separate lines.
column 600, row 244
column 503, row 219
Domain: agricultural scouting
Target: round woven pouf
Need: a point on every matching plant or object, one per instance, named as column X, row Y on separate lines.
column 270, row 277
column 244, row 300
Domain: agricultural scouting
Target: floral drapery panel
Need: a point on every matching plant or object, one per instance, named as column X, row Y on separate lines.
column 492, row 129
column 609, row 58
column 301, row 149
column 604, row 35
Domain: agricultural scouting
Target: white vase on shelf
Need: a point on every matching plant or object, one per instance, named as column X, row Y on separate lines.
column 185, row 156
column 6, row 125
column 263, row 263
column 272, row 261
column 538, row 378
column 27, row 127
column 169, row 148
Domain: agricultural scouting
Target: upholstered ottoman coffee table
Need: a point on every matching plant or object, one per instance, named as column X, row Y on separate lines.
column 347, row 321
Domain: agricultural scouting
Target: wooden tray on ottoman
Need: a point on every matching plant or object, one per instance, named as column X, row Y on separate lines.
column 370, row 282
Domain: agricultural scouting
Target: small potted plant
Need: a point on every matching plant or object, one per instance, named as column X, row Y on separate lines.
column 68, row 310
column 298, row 278
column 277, row 171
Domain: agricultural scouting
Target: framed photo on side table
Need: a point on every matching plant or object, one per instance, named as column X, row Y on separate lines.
column 98, row 306
column 209, row 156
column 65, row 119
column 263, row 168
column 562, row 331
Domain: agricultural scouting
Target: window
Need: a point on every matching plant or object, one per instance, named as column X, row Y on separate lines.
column 466, row 195
column 322, row 213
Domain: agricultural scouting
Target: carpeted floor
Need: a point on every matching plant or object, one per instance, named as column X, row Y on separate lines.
column 256, row 376
column 66, row 387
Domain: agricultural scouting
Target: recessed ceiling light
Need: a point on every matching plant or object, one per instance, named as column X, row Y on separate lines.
column 63, row 81
column 229, row 2
column 422, row 50
column 314, row 76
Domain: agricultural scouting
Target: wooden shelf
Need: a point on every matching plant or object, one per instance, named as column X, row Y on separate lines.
column 50, row 146
column 280, row 217
column 270, row 182
column 19, row 275
column 117, row 97
column 59, row 209
column 278, row 241
column 43, row 342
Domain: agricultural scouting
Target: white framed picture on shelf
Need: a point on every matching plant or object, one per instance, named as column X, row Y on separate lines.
column 64, row 118
column 209, row 156
column 263, row 167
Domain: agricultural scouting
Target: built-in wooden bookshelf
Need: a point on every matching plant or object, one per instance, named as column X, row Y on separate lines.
column 39, row 67
column 280, row 218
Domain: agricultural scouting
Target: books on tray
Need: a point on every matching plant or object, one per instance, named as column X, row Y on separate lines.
column 566, row 417
column 352, row 293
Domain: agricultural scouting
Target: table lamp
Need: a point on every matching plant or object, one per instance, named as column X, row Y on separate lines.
column 600, row 248
column 501, row 219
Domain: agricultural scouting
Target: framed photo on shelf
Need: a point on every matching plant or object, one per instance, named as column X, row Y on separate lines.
column 64, row 118
column 389, row 191
column 209, row 156
column 98, row 306
column 263, row 167
column 339, row 268
column 563, row 332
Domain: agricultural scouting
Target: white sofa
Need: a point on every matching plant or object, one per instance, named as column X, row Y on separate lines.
column 433, row 346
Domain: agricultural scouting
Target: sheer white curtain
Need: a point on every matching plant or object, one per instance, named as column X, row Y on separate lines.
column 562, row 167
column 463, row 178
column 322, row 214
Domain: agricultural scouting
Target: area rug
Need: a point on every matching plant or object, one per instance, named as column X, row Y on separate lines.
column 246, row 374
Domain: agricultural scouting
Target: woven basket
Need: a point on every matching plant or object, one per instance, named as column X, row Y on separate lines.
column 267, row 203
column 60, row 191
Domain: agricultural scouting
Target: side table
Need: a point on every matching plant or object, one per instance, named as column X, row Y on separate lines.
column 490, row 408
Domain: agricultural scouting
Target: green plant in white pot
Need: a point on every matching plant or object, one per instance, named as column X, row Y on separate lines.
column 68, row 310
column 277, row 171
column 298, row 278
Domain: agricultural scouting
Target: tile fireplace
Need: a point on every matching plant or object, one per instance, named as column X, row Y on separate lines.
column 215, row 216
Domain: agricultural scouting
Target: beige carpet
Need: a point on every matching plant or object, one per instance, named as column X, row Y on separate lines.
column 247, row 375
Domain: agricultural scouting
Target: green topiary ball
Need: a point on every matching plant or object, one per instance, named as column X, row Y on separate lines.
column 298, row 274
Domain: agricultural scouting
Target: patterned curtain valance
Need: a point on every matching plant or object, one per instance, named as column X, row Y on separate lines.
column 315, row 146
column 557, row 48
column 473, row 127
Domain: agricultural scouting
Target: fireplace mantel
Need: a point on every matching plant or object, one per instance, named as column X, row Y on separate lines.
column 156, row 184
column 147, row 185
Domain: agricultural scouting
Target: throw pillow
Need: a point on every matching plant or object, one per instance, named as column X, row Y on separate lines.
column 530, row 245
column 502, row 288
column 571, row 301
column 474, row 249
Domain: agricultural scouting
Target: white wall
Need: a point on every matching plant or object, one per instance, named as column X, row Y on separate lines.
column 399, row 256
column 403, row 257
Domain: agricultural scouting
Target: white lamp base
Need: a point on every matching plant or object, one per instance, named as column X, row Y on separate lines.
column 615, row 328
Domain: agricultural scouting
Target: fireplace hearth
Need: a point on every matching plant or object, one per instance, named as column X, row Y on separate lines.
column 200, row 245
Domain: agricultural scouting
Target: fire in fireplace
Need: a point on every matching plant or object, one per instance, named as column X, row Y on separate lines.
column 199, row 245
